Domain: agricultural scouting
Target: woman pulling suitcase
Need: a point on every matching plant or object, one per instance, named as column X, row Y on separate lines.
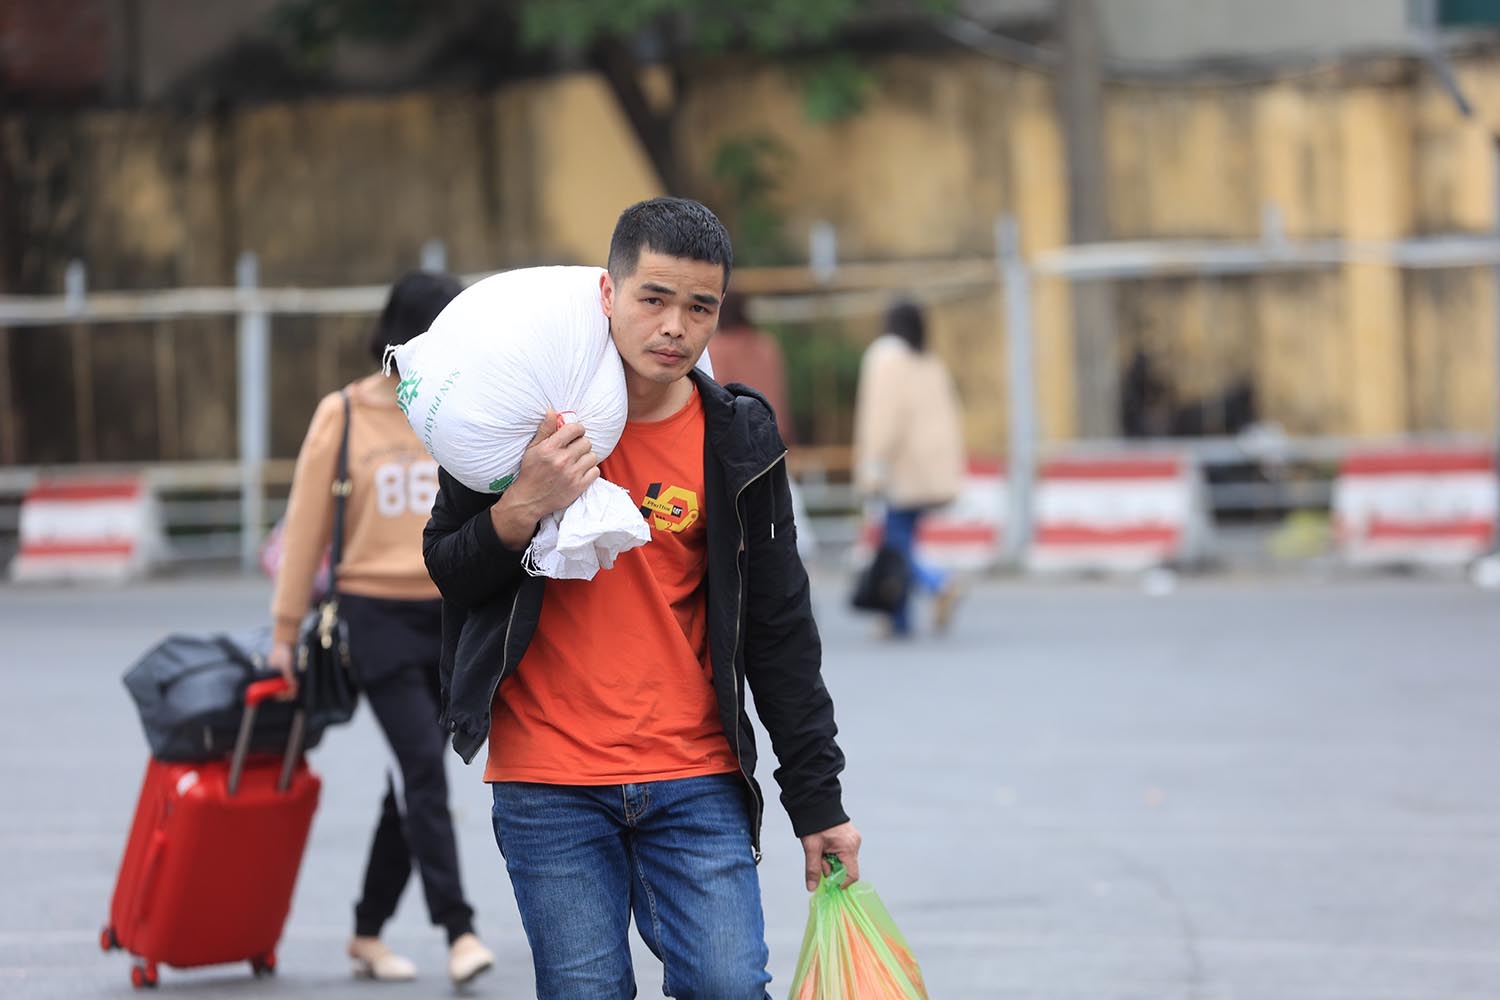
column 393, row 614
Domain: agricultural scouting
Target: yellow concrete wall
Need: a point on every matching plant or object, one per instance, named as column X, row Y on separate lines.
column 1181, row 162
column 326, row 192
column 946, row 144
column 924, row 171
column 914, row 175
column 588, row 167
column 1376, row 125
column 346, row 189
column 1297, row 318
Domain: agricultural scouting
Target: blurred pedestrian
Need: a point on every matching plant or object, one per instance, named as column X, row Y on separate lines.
column 742, row 353
column 394, row 615
column 908, row 446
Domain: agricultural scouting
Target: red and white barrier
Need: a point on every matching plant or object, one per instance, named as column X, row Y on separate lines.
column 87, row 529
column 1419, row 507
column 1123, row 514
column 968, row 534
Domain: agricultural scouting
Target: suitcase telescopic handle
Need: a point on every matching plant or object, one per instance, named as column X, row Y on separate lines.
column 263, row 690
column 255, row 695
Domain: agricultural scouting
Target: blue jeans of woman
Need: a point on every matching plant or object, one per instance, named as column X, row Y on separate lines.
column 901, row 532
column 675, row 854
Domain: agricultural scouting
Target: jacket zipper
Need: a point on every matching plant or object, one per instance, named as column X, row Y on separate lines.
column 504, row 661
column 734, row 655
column 739, row 598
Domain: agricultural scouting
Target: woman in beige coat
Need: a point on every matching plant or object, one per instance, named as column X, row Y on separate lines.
column 908, row 445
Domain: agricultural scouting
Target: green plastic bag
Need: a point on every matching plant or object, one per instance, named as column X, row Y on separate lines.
column 852, row 949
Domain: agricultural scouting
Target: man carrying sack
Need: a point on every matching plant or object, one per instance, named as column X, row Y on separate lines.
column 621, row 756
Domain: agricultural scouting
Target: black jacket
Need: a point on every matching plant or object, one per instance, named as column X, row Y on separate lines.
column 760, row 622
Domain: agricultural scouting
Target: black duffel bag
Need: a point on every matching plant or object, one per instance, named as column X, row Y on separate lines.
column 884, row 583
column 190, row 693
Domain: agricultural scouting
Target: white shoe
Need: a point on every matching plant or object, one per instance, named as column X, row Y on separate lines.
column 467, row 958
column 373, row 960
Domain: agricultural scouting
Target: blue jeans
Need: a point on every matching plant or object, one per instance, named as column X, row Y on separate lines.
column 901, row 532
column 676, row 854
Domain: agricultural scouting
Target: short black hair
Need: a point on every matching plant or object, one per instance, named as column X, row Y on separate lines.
column 677, row 227
column 904, row 319
column 415, row 301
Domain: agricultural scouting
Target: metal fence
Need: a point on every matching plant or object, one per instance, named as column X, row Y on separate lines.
column 826, row 289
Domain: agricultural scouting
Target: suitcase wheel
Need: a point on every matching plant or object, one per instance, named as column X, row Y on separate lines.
column 143, row 976
column 264, row 965
column 107, row 939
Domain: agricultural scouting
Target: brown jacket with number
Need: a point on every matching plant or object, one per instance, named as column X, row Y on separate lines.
column 393, row 483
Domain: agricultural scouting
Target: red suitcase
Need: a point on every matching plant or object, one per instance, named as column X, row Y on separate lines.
column 213, row 855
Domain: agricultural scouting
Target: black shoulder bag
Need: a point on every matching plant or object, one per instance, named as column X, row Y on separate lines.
column 325, row 681
column 884, row 583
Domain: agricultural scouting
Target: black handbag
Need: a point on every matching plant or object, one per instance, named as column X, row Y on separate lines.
column 884, row 583
column 326, row 684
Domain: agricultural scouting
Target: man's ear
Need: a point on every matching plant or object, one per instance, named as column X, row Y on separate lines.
column 607, row 294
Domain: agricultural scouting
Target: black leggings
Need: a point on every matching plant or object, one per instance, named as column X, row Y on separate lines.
column 394, row 645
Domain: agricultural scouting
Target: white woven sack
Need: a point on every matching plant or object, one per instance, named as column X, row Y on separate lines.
column 476, row 385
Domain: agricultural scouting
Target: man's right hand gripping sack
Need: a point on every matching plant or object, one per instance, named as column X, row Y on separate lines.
column 475, row 386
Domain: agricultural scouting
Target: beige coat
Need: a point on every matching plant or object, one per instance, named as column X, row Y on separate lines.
column 908, row 433
column 393, row 483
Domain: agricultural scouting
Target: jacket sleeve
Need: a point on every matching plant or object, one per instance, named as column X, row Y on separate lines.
column 464, row 556
column 783, row 660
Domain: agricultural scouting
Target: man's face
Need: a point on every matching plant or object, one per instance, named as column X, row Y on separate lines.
column 662, row 316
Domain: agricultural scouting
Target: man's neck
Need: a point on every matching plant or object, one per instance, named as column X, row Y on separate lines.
column 655, row 400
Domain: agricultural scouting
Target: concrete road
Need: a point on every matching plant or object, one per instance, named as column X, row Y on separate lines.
column 1247, row 790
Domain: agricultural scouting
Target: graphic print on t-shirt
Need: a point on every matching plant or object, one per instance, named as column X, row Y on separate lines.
column 674, row 509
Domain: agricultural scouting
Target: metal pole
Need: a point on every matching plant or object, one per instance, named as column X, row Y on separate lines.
column 434, row 255
column 1495, row 331
column 76, row 286
column 75, row 292
column 10, row 414
column 823, row 252
column 254, row 342
column 1015, row 281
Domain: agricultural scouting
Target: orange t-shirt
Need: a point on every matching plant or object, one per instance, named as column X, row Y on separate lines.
column 616, row 685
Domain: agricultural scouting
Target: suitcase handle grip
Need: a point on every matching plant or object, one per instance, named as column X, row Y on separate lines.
column 265, row 690
column 255, row 694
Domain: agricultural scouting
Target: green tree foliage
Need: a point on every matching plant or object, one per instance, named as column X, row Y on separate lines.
column 745, row 175
column 313, row 27
column 768, row 27
column 619, row 37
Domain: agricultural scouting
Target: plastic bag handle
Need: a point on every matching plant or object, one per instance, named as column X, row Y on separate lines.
column 836, row 872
